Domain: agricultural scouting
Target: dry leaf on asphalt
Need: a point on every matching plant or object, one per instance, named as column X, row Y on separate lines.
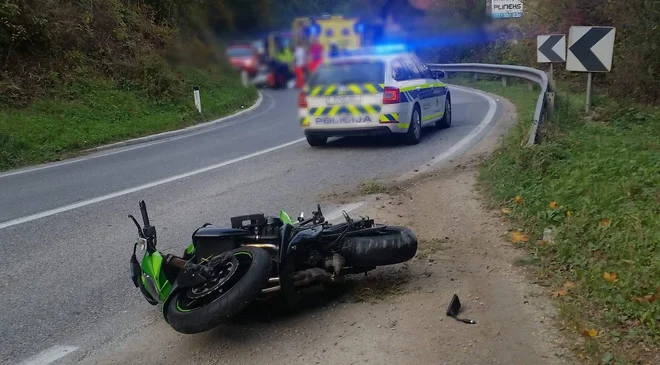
column 611, row 277
column 519, row 237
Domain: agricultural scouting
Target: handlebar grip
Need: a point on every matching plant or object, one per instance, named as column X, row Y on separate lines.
column 143, row 210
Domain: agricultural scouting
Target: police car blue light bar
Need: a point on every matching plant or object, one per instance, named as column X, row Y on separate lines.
column 379, row 50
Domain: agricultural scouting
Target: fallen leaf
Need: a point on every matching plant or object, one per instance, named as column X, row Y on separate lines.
column 519, row 199
column 647, row 299
column 506, row 210
column 569, row 213
column 543, row 243
column 560, row 293
column 611, row 277
column 605, row 222
column 554, row 205
column 518, row 237
column 590, row 332
column 570, row 285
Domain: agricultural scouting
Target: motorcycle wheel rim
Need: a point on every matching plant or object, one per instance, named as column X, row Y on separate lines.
column 184, row 303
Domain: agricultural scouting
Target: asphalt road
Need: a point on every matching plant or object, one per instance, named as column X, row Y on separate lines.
column 66, row 238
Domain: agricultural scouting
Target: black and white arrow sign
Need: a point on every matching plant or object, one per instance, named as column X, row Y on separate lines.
column 590, row 49
column 551, row 48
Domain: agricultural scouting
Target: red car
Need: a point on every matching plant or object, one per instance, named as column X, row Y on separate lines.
column 244, row 57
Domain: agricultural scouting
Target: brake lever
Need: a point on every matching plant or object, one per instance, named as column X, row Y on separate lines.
column 140, row 233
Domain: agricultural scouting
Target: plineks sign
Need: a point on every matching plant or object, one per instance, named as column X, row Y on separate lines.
column 502, row 9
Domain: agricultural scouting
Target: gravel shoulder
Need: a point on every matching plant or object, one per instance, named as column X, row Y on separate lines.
column 396, row 315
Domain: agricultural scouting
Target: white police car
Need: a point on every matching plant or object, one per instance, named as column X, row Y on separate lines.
column 374, row 94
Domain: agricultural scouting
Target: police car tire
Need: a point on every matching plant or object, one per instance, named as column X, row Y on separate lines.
column 316, row 141
column 410, row 137
column 445, row 122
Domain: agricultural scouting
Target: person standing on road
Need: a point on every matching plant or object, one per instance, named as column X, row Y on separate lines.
column 300, row 58
column 316, row 54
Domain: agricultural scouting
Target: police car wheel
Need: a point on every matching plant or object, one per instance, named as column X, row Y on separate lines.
column 316, row 141
column 414, row 134
column 445, row 122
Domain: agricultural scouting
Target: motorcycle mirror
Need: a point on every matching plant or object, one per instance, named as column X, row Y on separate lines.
column 455, row 308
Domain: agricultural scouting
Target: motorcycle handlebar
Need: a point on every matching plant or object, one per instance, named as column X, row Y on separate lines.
column 143, row 210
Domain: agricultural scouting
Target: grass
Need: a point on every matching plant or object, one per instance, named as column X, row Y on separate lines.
column 602, row 172
column 371, row 187
column 94, row 112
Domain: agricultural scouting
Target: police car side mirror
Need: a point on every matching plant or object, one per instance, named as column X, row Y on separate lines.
column 439, row 74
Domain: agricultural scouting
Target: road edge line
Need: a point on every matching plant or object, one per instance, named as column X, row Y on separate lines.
column 456, row 147
column 178, row 132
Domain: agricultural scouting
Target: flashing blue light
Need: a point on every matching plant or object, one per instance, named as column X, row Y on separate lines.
column 359, row 28
column 384, row 49
column 314, row 29
column 389, row 48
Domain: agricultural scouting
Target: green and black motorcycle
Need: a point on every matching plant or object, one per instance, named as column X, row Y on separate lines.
column 259, row 258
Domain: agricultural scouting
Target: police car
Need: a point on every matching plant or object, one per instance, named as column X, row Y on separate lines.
column 389, row 93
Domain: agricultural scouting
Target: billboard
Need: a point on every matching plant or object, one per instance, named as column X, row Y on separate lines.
column 501, row 9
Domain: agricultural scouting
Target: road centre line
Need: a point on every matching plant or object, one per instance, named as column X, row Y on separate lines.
column 116, row 194
column 49, row 355
column 453, row 149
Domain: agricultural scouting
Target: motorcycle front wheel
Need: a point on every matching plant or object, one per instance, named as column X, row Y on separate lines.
column 193, row 311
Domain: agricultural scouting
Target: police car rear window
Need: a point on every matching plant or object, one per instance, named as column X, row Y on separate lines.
column 349, row 72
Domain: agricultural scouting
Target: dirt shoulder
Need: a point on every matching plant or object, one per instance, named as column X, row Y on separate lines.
column 396, row 315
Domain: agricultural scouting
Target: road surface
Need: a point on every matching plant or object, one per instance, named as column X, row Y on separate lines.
column 66, row 239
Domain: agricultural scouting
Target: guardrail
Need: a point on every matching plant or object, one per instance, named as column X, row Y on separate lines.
column 545, row 102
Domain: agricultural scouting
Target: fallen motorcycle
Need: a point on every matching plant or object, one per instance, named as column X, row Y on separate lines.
column 258, row 258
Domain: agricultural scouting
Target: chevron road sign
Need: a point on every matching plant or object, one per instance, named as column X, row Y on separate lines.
column 590, row 49
column 551, row 48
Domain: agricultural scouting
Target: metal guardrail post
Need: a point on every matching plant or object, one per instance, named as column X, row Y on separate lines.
column 537, row 76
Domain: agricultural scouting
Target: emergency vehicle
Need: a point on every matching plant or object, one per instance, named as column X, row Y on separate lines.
column 378, row 92
column 347, row 33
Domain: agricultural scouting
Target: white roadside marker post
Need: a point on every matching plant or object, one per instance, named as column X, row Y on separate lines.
column 198, row 100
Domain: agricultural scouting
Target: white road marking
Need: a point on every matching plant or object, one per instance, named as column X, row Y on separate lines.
column 50, row 355
column 488, row 118
column 147, row 144
column 453, row 149
column 116, row 194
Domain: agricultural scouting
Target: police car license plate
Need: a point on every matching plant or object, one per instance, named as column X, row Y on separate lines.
column 344, row 99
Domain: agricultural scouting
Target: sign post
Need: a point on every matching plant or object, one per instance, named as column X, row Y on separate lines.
column 590, row 49
column 549, row 49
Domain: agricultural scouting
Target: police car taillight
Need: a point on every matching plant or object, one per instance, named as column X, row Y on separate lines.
column 302, row 100
column 391, row 95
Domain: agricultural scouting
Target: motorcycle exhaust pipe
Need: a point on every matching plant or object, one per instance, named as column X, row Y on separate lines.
column 300, row 278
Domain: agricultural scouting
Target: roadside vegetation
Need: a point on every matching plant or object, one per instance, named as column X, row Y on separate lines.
column 587, row 203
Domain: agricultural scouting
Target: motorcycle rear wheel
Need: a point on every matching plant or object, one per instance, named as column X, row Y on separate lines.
column 254, row 269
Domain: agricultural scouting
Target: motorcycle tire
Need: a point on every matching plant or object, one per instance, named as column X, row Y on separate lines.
column 255, row 277
column 392, row 245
